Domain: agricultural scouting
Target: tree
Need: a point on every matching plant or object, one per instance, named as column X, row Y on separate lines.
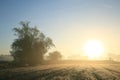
column 30, row 45
column 54, row 56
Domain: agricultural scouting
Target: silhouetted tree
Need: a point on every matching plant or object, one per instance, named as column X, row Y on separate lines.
column 30, row 45
column 54, row 56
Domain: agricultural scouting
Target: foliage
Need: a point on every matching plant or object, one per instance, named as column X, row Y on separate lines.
column 30, row 45
column 54, row 56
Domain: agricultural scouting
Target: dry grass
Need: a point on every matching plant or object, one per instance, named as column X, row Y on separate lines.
column 76, row 71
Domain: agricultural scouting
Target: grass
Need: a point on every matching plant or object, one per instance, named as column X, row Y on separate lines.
column 69, row 70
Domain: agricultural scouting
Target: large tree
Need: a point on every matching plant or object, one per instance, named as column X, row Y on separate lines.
column 30, row 45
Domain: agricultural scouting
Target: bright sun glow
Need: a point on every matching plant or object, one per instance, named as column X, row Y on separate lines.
column 93, row 49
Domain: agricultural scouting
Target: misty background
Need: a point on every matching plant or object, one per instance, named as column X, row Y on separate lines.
column 69, row 23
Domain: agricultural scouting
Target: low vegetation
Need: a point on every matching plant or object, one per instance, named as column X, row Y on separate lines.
column 74, row 71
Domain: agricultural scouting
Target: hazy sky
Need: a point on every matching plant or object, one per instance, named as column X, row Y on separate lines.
column 70, row 23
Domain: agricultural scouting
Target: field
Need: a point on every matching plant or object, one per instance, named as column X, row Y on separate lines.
column 65, row 71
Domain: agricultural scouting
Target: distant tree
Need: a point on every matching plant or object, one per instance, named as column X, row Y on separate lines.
column 110, row 56
column 54, row 56
column 30, row 45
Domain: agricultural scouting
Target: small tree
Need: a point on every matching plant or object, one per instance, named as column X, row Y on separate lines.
column 54, row 56
column 30, row 45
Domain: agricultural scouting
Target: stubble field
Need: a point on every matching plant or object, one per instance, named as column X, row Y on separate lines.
column 76, row 71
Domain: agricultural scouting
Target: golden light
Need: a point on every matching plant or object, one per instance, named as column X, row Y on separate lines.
column 93, row 49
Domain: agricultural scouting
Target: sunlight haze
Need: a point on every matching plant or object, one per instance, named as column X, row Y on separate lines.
column 69, row 23
column 93, row 49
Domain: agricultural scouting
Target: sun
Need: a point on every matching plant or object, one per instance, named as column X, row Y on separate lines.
column 93, row 49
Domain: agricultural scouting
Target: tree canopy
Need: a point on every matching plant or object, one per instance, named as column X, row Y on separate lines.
column 30, row 45
column 54, row 56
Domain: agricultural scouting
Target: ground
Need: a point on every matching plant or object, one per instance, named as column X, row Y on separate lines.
column 71, row 71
